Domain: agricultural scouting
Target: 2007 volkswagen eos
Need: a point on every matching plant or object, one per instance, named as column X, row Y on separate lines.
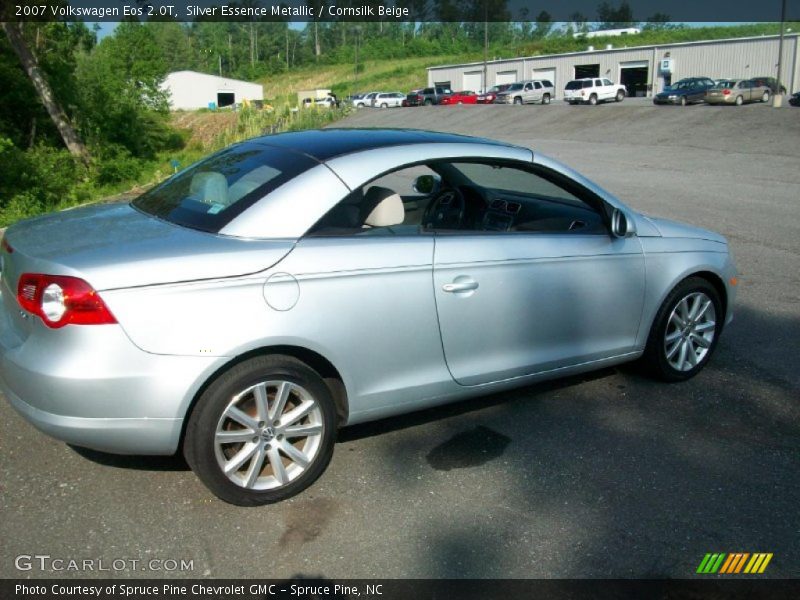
column 289, row 285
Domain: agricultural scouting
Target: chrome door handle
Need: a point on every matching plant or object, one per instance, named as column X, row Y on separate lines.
column 464, row 286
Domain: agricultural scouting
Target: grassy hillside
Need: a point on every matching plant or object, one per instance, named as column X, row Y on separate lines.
column 399, row 75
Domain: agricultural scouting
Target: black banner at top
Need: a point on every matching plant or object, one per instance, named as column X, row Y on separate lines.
column 620, row 12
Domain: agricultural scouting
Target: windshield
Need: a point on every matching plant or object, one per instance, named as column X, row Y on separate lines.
column 514, row 87
column 211, row 193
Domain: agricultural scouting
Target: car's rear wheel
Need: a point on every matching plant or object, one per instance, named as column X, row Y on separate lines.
column 685, row 331
column 593, row 99
column 683, row 100
column 546, row 99
column 620, row 96
column 739, row 100
column 262, row 432
column 765, row 97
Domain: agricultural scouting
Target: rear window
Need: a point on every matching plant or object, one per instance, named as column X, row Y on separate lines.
column 210, row 194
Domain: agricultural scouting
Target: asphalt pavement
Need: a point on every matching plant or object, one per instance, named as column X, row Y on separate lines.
column 604, row 475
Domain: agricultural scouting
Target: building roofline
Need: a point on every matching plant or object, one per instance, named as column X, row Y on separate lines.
column 623, row 49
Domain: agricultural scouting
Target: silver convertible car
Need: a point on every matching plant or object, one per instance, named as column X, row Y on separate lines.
column 250, row 306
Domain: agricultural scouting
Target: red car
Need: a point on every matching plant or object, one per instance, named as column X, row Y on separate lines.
column 465, row 97
column 489, row 96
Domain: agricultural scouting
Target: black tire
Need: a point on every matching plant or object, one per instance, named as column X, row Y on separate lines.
column 428, row 102
column 517, row 100
column 765, row 97
column 384, row 105
column 655, row 359
column 200, row 448
column 546, row 99
column 683, row 100
column 620, row 96
column 593, row 99
column 739, row 101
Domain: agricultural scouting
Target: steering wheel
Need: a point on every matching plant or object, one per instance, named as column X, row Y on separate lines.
column 445, row 210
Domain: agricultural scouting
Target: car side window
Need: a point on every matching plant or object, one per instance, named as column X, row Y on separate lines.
column 597, row 82
column 387, row 205
column 501, row 197
column 607, row 82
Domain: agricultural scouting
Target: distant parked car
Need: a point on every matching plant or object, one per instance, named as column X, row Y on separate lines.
column 686, row 91
column 593, row 90
column 527, row 92
column 738, row 92
column 795, row 99
column 388, row 99
column 489, row 96
column 329, row 101
column 465, row 97
column 365, row 100
column 428, row 96
column 771, row 83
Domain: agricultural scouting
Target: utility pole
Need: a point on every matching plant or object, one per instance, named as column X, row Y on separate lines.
column 777, row 99
column 485, row 46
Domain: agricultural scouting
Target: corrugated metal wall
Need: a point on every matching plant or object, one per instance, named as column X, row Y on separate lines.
column 747, row 57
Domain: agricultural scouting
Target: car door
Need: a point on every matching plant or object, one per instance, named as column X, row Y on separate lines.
column 513, row 302
column 536, row 96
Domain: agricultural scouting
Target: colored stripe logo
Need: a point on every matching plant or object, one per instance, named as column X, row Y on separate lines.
column 734, row 563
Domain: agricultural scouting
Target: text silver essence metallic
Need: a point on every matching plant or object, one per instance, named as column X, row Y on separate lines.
column 287, row 286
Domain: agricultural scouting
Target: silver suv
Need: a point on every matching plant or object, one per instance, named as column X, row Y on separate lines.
column 527, row 92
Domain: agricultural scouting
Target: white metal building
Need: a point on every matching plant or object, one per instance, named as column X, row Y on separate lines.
column 644, row 70
column 192, row 90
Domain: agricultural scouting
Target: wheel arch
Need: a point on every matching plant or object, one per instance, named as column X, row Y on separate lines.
column 316, row 361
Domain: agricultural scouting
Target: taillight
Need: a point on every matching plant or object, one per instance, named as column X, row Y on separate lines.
column 60, row 300
column 726, row 92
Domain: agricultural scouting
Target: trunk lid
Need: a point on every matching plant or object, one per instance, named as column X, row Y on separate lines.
column 116, row 246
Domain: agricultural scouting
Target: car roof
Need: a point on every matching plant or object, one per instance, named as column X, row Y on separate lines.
column 324, row 144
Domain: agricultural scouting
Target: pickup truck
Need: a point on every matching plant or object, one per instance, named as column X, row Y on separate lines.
column 427, row 96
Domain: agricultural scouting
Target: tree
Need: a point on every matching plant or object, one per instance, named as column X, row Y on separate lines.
column 68, row 133
column 614, row 18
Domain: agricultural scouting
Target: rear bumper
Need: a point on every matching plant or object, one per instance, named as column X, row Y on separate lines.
column 92, row 387
column 118, row 436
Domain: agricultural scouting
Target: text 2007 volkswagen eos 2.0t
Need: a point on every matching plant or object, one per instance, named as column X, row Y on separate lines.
column 289, row 285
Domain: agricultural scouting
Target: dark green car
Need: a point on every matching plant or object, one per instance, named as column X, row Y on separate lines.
column 686, row 91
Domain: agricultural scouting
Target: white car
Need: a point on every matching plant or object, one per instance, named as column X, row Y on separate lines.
column 365, row 100
column 388, row 99
column 593, row 90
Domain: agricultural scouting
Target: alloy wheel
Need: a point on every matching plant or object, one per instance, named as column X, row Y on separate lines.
column 690, row 331
column 268, row 435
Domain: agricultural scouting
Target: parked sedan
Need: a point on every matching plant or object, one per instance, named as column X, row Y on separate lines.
column 686, row 91
column 491, row 94
column 795, row 99
column 465, row 97
column 253, row 304
column 738, row 92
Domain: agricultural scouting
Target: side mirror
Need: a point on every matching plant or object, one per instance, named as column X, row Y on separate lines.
column 621, row 225
column 427, row 184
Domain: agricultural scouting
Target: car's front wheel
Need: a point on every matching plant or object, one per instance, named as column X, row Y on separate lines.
column 685, row 331
column 620, row 96
column 262, row 432
column 518, row 100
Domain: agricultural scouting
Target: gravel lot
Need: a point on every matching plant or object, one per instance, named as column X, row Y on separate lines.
column 606, row 475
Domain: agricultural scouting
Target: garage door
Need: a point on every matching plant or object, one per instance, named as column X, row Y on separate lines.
column 506, row 77
column 472, row 81
column 548, row 74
